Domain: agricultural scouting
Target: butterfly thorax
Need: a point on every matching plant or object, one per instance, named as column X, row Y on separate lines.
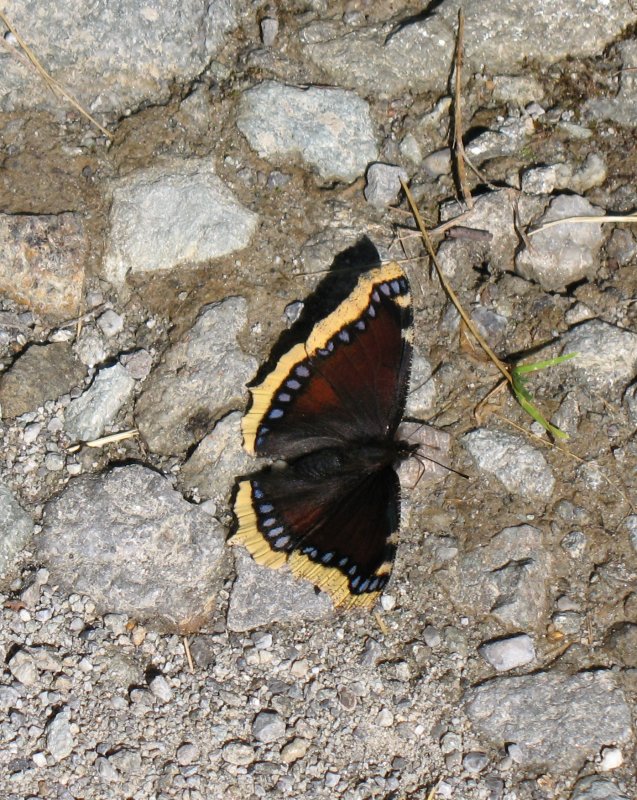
column 357, row 458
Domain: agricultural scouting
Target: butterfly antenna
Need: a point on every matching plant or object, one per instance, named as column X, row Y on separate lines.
column 421, row 458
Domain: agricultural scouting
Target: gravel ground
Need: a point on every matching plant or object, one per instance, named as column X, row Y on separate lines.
column 146, row 277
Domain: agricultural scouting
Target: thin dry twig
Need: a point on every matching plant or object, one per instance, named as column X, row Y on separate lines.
column 104, row 440
column 191, row 663
column 447, row 286
column 586, row 219
column 458, row 145
column 55, row 86
column 381, row 623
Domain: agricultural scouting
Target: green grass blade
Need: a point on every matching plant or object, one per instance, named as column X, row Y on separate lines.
column 524, row 397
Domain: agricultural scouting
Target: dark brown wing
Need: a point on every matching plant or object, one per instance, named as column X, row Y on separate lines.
column 332, row 531
column 347, row 383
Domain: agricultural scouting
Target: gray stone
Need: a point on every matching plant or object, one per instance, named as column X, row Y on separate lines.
column 421, row 472
column 54, row 462
column 593, row 172
column 126, row 761
column 59, row 736
column 515, row 90
column 438, row 163
column 431, row 636
column 493, row 212
column 622, row 642
column 330, row 129
column 595, row 788
column 173, row 215
column 90, row 346
column 383, row 184
column 137, row 547
column 107, row 771
column 261, row 596
column 606, row 356
column 16, row 527
column 565, row 253
column 95, row 410
column 621, row 247
column 568, row 622
column 506, row 37
column 199, row 379
column 506, row 654
column 43, row 256
column 138, row 364
column 410, row 150
column 556, row 721
column 415, row 54
column 268, row 727
column 414, row 57
column 521, row 468
column 623, row 107
column 544, row 180
column 9, row 697
column 113, row 58
column 507, row 578
column 630, row 524
column 40, row 373
column 218, row 458
column 506, row 140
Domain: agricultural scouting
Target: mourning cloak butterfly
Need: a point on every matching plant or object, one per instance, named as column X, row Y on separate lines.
column 330, row 408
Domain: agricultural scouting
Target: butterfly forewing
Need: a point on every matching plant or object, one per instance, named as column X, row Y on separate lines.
column 347, row 383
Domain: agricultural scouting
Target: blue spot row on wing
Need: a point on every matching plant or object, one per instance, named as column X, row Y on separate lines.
column 300, row 373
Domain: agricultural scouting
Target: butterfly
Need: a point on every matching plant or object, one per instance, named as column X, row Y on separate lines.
column 330, row 409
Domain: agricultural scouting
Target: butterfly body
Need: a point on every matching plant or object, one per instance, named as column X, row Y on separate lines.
column 330, row 408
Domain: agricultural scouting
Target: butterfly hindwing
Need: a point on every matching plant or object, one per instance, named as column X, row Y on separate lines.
column 335, row 532
column 347, row 382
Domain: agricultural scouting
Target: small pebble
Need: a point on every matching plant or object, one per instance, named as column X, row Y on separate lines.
column 238, row 754
column 611, row 758
column 385, row 718
column 187, row 753
column 59, row 737
column 54, row 462
column 431, row 636
column 22, row 667
column 475, row 761
column 514, row 751
column 268, row 727
column 574, row 543
column 388, row 602
column 450, row 742
column 110, row 323
column 160, row 687
column 294, row 750
column 269, row 30
column 505, row 654
column 31, row 432
column 331, row 779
